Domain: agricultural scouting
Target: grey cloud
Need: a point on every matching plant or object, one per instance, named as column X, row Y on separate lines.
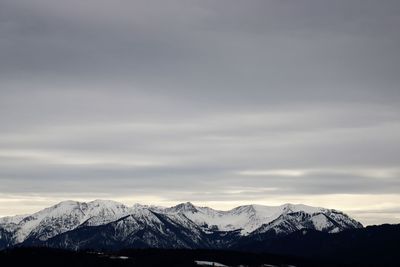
column 184, row 50
column 175, row 98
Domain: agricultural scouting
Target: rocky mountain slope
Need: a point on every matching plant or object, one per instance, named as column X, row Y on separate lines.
column 112, row 225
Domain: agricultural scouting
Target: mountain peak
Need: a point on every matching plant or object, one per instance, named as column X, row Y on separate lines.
column 184, row 207
column 105, row 203
column 289, row 207
column 244, row 220
column 187, row 205
column 66, row 203
column 245, row 208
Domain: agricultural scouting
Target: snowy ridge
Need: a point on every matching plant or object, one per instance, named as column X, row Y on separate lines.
column 329, row 221
column 65, row 216
column 185, row 224
column 12, row 219
column 245, row 218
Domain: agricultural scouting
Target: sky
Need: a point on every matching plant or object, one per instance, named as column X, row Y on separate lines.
column 218, row 102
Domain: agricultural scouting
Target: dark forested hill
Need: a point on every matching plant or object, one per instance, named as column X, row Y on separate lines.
column 378, row 245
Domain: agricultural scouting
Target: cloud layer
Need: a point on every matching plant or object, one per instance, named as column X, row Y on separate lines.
column 216, row 102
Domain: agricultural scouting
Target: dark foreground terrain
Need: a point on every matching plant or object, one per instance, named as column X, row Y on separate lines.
column 155, row 257
column 370, row 246
column 143, row 257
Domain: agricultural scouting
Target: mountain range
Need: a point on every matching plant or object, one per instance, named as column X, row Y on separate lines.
column 109, row 225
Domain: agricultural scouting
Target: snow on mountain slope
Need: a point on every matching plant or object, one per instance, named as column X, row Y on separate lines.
column 141, row 229
column 203, row 225
column 329, row 221
column 66, row 216
column 10, row 224
column 342, row 221
column 247, row 218
column 12, row 219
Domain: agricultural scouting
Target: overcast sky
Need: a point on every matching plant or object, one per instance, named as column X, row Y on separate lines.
column 221, row 103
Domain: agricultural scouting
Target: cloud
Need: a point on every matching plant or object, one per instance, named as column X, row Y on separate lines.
column 273, row 173
column 216, row 101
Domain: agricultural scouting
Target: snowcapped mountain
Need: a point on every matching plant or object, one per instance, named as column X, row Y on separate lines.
column 142, row 229
column 111, row 225
column 62, row 217
column 251, row 217
column 328, row 221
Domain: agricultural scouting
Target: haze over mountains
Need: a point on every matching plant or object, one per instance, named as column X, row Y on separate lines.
column 108, row 224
